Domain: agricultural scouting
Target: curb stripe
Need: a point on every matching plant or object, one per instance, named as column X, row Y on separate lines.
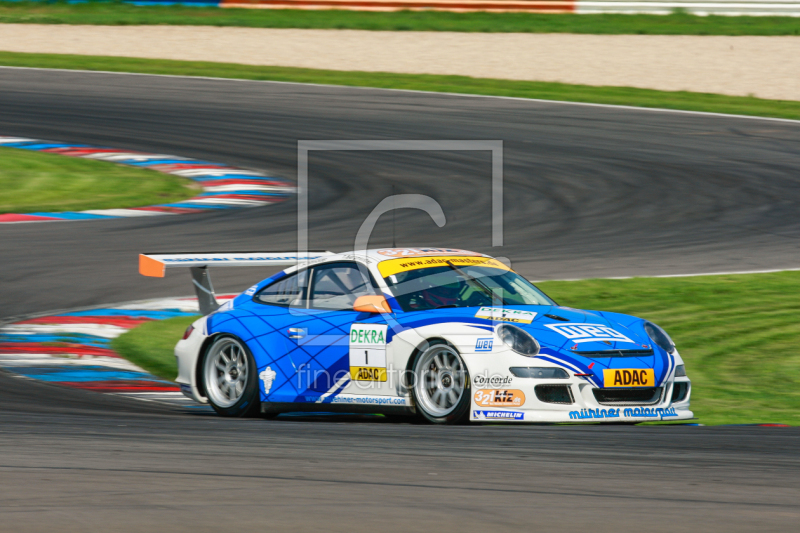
column 243, row 188
column 73, row 349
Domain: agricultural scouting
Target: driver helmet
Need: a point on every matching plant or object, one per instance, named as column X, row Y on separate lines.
column 442, row 293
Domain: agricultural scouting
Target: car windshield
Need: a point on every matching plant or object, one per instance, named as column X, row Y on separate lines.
column 462, row 286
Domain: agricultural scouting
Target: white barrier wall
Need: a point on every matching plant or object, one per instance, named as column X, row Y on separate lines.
column 660, row 7
column 697, row 7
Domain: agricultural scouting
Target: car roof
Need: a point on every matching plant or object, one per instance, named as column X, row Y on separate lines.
column 378, row 255
column 371, row 258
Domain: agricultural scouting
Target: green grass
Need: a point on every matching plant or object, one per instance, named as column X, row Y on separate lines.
column 421, row 82
column 113, row 13
column 738, row 335
column 150, row 345
column 34, row 181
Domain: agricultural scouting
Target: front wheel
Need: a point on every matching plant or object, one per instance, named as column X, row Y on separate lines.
column 230, row 380
column 441, row 390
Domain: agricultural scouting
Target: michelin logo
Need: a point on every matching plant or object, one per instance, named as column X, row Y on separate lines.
column 498, row 415
column 588, row 332
column 267, row 376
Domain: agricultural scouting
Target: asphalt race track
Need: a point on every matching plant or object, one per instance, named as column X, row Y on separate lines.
column 589, row 191
column 79, row 463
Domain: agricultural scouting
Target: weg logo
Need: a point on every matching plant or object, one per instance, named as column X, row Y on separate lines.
column 484, row 345
column 589, row 332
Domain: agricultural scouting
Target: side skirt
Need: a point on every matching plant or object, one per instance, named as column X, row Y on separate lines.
column 288, row 407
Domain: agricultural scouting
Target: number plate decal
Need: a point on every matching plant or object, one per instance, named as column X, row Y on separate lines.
column 629, row 377
column 368, row 352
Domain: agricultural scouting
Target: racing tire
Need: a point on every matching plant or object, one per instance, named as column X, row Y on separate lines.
column 230, row 378
column 441, row 388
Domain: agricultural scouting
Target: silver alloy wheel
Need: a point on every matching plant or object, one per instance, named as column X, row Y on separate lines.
column 225, row 370
column 440, row 378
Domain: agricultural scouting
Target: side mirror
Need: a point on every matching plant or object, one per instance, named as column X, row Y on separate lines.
column 371, row 304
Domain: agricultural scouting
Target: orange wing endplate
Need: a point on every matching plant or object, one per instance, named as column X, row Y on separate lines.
column 151, row 267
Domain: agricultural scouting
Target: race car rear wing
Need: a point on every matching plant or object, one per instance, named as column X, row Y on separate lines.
column 155, row 265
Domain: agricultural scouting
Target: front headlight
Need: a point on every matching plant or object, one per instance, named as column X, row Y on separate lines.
column 518, row 340
column 659, row 336
column 680, row 371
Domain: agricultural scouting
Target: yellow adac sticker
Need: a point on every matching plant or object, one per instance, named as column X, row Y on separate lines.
column 393, row 266
column 367, row 373
column 629, row 377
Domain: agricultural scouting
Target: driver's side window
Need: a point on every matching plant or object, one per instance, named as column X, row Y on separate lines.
column 287, row 292
column 336, row 286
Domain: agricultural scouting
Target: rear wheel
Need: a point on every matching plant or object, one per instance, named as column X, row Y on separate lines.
column 229, row 378
column 441, row 389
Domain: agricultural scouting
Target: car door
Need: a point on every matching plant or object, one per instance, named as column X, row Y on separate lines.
column 333, row 289
column 281, row 318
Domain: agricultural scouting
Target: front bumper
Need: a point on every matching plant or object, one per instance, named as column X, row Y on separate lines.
column 583, row 409
column 576, row 403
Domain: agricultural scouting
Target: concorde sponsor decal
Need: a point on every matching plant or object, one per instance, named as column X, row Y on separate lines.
column 368, row 352
column 496, row 380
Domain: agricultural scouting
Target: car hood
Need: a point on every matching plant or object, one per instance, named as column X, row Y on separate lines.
column 585, row 342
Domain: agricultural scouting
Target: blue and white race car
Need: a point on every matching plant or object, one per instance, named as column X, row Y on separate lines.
column 447, row 335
